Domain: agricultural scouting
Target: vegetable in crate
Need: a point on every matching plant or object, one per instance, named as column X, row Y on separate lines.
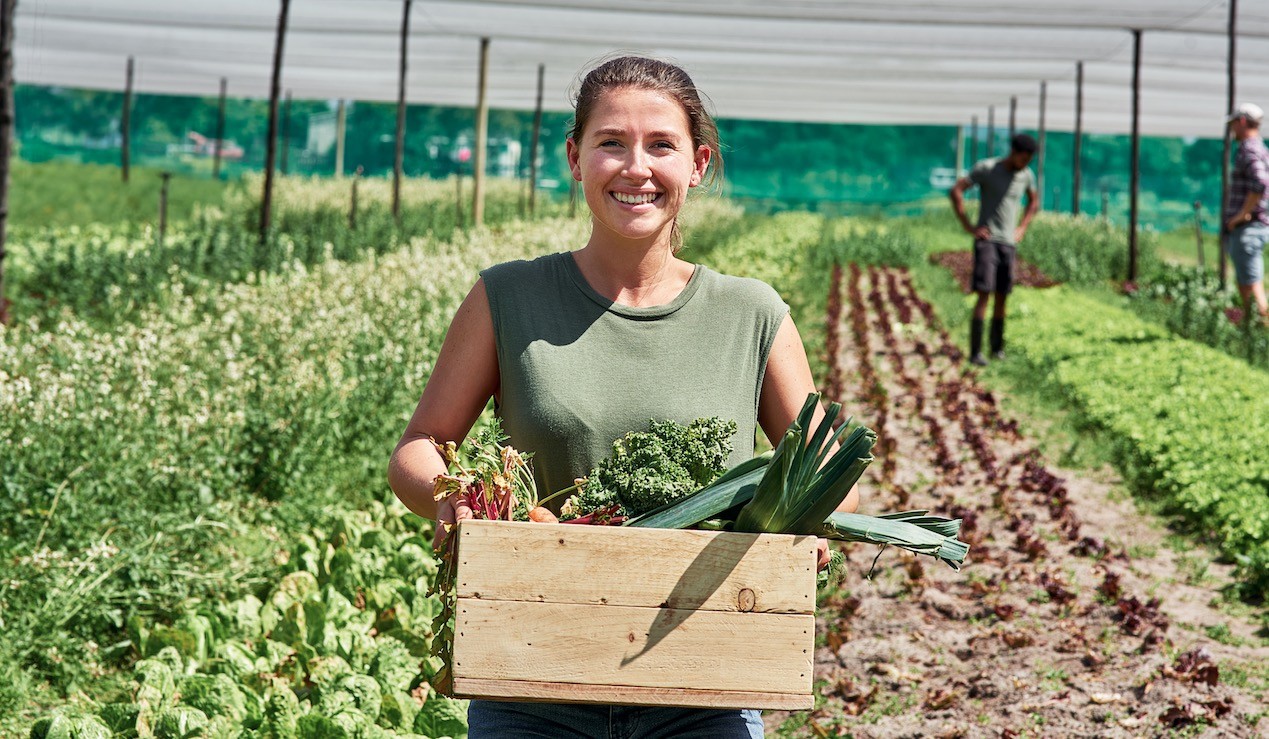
column 649, row 469
column 499, row 484
column 796, row 490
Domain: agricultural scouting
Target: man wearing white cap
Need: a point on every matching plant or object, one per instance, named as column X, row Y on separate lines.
column 1246, row 220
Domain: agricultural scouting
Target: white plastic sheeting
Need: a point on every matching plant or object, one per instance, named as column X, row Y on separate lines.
column 878, row 61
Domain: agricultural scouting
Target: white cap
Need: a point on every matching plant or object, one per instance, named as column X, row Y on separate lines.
column 1249, row 111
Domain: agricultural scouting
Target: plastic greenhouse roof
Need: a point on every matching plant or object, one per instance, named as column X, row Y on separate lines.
column 875, row 61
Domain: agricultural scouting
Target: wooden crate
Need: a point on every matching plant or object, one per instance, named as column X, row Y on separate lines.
column 604, row 614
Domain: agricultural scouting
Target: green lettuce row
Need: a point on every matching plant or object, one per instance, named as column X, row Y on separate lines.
column 337, row 648
column 1189, row 424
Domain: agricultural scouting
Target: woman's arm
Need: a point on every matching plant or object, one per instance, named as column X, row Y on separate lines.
column 463, row 380
column 784, row 389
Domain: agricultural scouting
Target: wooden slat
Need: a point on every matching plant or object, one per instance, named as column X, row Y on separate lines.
column 706, row 570
column 640, row 647
column 540, row 692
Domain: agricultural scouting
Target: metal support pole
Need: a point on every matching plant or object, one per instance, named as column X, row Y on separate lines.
column 1044, row 96
column 973, row 141
column 960, row 150
column 1198, row 231
column 398, row 162
column 1079, row 138
column 1230, row 63
column 482, row 137
column 286, row 132
column 341, row 127
column 167, row 177
column 458, row 197
column 991, row 131
column 1136, row 155
column 220, row 129
column 533, row 147
column 275, row 88
column 352, row 206
column 9, row 7
column 125, row 125
column 1013, row 117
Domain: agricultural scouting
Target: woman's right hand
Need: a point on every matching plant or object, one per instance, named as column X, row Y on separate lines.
column 449, row 511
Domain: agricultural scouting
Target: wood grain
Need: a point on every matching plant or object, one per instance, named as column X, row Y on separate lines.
column 607, row 645
column 543, row 692
column 612, row 565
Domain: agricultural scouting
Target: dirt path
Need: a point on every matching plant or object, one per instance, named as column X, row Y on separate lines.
column 1073, row 617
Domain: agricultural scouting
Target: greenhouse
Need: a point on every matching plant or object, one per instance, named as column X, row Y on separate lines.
column 926, row 396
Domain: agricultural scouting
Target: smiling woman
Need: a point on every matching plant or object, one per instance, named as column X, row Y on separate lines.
column 579, row 348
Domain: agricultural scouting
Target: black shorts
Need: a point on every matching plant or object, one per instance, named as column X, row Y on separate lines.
column 993, row 267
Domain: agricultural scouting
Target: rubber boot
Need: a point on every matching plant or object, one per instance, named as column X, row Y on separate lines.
column 998, row 338
column 976, row 342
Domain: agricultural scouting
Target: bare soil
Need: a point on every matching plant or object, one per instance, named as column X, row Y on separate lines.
column 961, row 265
column 1074, row 615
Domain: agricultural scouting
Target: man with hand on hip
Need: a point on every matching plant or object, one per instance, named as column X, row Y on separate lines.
column 1001, row 183
column 1246, row 221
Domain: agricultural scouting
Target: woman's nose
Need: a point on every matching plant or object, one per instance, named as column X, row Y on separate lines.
column 638, row 166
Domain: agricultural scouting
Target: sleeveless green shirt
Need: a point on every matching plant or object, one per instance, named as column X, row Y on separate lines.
column 579, row 371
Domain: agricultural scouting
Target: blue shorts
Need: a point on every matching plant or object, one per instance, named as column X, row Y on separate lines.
column 563, row 721
column 1246, row 248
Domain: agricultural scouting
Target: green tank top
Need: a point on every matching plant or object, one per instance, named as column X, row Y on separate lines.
column 579, row 371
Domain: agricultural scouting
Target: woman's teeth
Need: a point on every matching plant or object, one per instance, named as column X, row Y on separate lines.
column 628, row 199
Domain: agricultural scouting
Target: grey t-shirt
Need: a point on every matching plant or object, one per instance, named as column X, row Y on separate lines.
column 579, row 371
column 1000, row 193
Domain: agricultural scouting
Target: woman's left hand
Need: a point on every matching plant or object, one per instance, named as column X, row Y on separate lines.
column 822, row 546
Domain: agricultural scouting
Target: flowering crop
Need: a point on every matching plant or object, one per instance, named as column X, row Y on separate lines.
column 140, row 464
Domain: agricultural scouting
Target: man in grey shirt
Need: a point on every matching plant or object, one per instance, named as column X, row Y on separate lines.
column 1001, row 183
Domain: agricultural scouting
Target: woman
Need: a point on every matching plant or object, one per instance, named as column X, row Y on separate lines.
column 579, row 348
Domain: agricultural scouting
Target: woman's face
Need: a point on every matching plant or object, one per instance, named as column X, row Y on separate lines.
column 636, row 162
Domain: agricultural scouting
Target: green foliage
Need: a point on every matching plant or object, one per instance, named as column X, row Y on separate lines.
column 441, row 717
column 648, row 469
column 1084, row 251
column 60, row 726
column 215, row 695
column 180, row 722
column 1188, row 423
column 1191, row 302
column 874, row 244
column 112, row 273
column 135, row 480
column 63, row 194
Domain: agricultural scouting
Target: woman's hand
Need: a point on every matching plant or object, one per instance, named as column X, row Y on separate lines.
column 449, row 511
column 820, row 544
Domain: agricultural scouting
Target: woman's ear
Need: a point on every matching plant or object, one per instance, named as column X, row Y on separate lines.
column 703, row 156
column 574, row 166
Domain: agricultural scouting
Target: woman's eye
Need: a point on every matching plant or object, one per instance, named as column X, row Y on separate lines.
column 663, row 145
column 610, row 142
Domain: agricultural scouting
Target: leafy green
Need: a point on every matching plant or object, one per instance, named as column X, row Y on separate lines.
column 649, row 469
column 807, row 479
column 1186, row 424
column 214, row 695
column 180, row 723
column 441, row 717
column 60, row 726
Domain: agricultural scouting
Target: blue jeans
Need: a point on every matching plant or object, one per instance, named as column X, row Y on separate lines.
column 1246, row 247
column 562, row 721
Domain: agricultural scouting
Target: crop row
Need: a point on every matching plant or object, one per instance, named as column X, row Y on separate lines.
column 1187, row 423
column 962, row 401
column 151, row 464
column 109, row 273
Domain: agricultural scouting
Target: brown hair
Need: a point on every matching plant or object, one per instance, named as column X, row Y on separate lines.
column 652, row 74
